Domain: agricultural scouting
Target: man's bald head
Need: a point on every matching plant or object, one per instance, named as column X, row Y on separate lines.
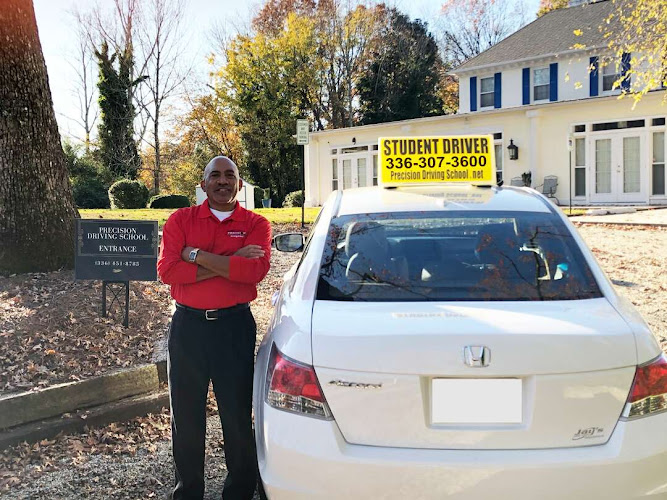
column 218, row 160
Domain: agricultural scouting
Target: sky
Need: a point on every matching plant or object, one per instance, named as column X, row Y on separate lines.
column 57, row 36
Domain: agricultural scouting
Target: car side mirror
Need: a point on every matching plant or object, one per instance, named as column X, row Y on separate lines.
column 289, row 242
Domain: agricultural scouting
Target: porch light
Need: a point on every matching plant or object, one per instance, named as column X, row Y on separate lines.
column 514, row 150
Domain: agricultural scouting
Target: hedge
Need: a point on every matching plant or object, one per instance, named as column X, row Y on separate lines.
column 127, row 193
column 169, row 201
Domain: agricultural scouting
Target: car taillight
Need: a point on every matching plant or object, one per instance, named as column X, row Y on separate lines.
column 293, row 386
column 649, row 390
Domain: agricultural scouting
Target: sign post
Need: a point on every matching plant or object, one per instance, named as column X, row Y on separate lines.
column 116, row 252
column 302, row 139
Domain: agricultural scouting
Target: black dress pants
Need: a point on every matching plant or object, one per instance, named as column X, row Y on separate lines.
column 221, row 350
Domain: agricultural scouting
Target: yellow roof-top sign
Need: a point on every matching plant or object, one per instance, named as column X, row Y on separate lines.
column 446, row 159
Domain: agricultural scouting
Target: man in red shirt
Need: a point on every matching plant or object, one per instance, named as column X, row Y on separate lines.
column 213, row 255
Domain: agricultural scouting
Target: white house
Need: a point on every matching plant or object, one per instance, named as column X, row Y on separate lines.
column 535, row 91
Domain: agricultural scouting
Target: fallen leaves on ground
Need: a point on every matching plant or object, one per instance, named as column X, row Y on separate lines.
column 51, row 330
column 635, row 258
column 29, row 461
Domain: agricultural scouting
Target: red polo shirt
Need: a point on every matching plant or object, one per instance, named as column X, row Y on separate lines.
column 198, row 227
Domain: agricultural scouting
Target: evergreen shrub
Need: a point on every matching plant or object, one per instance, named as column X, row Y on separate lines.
column 90, row 192
column 169, row 201
column 258, row 195
column 127, row 193
column 293, row 199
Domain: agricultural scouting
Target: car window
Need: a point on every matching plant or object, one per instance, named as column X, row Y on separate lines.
column 453, row 256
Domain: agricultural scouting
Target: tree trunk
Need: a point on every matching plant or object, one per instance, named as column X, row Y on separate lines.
column 156, row 138
column 36, row 205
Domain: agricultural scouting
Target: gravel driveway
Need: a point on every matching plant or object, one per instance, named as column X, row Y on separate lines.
column 634, row 258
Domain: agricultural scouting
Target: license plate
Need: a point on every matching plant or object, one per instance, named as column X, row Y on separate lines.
column 476, row 401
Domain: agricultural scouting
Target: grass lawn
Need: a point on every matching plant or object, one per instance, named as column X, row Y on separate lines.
column 575, row 211
column 275, row 215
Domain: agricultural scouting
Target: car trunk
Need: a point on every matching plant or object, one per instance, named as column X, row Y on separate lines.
column 395, row 374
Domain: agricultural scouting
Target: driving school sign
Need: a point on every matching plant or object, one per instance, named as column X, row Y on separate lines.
column 419, row 160
column 116, row 250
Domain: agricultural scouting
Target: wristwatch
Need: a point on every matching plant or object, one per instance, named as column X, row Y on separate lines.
column 192, row 256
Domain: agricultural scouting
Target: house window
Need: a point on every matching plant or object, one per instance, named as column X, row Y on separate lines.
column 598, row 127
column 354, row 149
column 658, row 163
column 375, row 170
column 334, row 172
column 347, row 174
column 361, row 172
column 498, row 149
column 610, row 73
column 580, row 167
column 486, row 96
column 541, row 84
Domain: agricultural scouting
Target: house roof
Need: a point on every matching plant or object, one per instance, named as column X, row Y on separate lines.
column 551, row 34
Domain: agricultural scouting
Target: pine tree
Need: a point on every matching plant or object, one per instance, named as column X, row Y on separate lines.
column 400, row 78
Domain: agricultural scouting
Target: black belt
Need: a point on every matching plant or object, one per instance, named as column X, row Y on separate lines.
column 213, row 314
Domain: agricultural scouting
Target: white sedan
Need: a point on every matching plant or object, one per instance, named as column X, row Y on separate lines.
column 446, row 342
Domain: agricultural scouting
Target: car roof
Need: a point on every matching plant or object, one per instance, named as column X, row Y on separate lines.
column 440, row 198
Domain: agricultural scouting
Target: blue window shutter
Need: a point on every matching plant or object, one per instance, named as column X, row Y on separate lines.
column 473, row 93
column 526, row 85
column 625, row 67
column 594, row 77
column 497, row 90
column 553, row 82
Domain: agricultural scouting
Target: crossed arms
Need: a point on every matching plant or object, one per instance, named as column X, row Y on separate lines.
column 248, row 265
column 210, row 264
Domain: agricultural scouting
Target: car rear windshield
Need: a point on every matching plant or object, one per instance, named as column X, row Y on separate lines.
column 453, row 256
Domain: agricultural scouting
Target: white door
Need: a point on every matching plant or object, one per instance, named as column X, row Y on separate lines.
column 618, row 173
column 354, row 172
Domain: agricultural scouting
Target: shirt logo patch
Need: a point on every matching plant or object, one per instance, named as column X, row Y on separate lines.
column 236, row 234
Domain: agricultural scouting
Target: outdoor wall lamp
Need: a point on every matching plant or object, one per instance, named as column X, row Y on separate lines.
column 354, row 140
column 514, row 150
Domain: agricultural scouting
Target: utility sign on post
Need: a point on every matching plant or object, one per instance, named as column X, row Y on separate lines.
column 302, row 128
column 302, row 132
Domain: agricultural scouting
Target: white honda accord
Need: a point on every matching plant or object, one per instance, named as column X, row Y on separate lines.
column 455, row 342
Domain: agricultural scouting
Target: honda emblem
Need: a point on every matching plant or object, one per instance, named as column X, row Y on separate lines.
column 476, row 356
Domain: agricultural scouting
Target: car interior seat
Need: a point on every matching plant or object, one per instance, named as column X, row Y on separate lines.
column 369, row 254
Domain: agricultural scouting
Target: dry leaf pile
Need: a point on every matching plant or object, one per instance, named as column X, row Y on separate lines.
column 51, row 330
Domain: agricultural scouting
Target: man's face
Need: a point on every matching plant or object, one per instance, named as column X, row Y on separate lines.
column 222, row 185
